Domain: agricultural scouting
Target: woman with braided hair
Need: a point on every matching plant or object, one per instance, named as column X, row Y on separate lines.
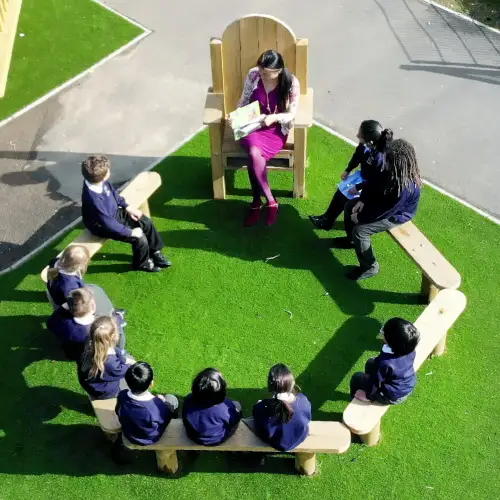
column 390, row 201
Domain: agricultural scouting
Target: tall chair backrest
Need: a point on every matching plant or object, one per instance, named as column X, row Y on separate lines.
column 243, row 41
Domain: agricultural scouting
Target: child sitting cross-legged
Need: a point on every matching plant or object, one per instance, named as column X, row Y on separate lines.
column 72, row 325
column 144, row 416
column 105, row 213
column 390, row 377
column 103, row 366
column 282, row 420
column 210, row 418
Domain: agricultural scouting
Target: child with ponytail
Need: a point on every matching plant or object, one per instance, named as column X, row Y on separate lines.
column 374, row 142
column 282, row 420
column 103, row 365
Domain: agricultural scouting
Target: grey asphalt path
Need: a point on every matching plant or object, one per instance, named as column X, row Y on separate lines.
column 432, row 77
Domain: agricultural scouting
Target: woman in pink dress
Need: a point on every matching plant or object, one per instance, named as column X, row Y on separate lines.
column 277, row 91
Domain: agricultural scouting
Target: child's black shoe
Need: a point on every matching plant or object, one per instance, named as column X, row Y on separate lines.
column 149, row 267
column 160, row 260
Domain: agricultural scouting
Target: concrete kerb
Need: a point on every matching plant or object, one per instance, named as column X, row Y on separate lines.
column 89, row 70
column 437, row 5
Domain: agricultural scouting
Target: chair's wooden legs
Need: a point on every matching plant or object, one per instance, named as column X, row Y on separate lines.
column 144, row 208
column 305, row 463
column 372, row 437
column 167, row 461
column 428, row 290
column 299, row 165
column 218, row 181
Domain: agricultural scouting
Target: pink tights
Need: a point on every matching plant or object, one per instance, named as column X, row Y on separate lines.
column 257, row 173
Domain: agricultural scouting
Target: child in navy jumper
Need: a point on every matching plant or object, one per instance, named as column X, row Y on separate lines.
column 387, row 201
column 282, row 420
column 390, row 377
column 370, row 156
column 209, row 417
column 105, row 213
column 102, row 365
column 72, row 326
column 143, row 416
column 66, row 274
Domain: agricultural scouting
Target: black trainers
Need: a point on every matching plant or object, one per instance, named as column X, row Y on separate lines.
column 342, row 242
column 160, row 260
column 321, row 222
column 149, row 267
column 358, row 273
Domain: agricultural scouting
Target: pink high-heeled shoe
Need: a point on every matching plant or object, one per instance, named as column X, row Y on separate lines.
column 272, row 213
column 253, row 214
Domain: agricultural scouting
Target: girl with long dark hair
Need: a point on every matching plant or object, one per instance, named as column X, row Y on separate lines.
column 374, row 141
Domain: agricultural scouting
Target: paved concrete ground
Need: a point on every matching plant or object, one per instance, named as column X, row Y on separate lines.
column 430, row 76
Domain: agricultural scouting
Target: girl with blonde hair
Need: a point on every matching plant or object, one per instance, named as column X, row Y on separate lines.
column 103, row 365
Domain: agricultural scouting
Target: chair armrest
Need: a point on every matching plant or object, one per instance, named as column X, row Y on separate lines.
column 304, row 118
column 214, row 109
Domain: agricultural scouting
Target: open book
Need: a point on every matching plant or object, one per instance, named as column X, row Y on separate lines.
column 350, row 182
column 246, row 119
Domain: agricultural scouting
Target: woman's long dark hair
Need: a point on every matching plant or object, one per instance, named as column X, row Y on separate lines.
column 281, row 379
column 374, row 133
column 270, row 59
column 402, row 166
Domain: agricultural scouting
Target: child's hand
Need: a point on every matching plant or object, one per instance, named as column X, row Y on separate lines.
column 137, row 232
column 353, row 190
column 361, row 395
column 343, row 175
column 135, row 213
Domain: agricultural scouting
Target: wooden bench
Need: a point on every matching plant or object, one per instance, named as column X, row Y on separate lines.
column 437, row 273
column 324, row 437
column 137, row 193
column 104, row 410
column 363, row 418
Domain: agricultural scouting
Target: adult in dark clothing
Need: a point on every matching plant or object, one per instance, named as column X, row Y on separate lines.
column 374, row 141
column 386, row 202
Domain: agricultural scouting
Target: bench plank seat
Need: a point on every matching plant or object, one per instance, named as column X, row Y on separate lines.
column 363, row 418
column 324, row 437
column 437, row 273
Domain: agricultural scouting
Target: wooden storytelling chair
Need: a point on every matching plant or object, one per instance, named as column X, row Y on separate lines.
column 232, row 57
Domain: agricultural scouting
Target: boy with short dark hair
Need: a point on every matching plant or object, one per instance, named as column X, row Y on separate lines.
column 72, row 326
column 106, row 214
column 144, row 416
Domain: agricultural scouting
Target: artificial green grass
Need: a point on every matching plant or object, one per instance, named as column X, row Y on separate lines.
column 61, row 38
column 223, row 305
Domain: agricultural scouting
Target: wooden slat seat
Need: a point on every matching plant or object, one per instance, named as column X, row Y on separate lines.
column 324, row 437
column 437, row 273
column 136, row 193
column 363, row 418
column 104, row 410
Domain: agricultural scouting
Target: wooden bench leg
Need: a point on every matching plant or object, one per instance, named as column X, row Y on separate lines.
column 144, row 208
column 305, row 463
column 218, row 181
column 372, row 438
column 299, row 164
column 428, row 290
column 167, row 461
column 440, row 348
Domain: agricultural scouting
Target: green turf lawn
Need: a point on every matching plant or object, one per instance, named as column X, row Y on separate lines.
column 222, row 305
column 61, row 39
